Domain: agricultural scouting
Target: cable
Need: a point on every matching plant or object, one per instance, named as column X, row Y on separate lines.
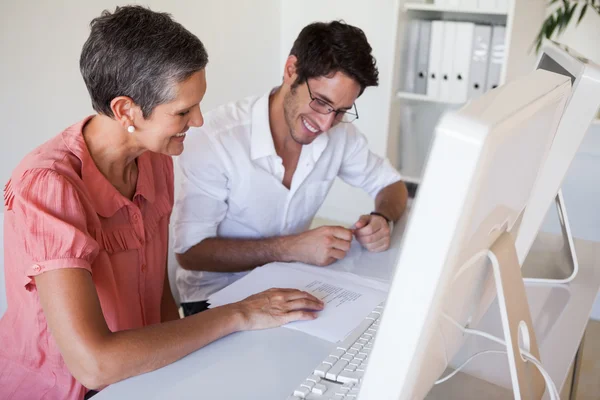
column 457, row 370
column 554, row 395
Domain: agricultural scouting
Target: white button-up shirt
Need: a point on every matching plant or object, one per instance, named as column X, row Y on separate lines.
column 232, row 183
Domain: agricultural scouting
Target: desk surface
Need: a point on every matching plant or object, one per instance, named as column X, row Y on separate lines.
column 269, row 364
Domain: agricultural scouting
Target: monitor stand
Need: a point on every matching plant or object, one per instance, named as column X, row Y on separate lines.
column 568, row 247
column 526, row 380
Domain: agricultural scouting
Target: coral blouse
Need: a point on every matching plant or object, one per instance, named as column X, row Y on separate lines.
column 61, row 212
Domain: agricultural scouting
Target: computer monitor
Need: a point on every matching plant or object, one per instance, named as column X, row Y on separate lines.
column 478, row 180
column 582, row 106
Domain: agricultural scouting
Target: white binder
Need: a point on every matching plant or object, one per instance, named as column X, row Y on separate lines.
column 423, row 57
column 463, row 46
column 497, row 54
column 435, row 58
column 487, row 5
column 482, row 37
column 448, row 50
column 502, row 5
column 409, row 59
column 468, row 4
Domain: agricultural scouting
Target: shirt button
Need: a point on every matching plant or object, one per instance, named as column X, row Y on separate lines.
column 37, row 268
column 143, row 267
column 136, row 217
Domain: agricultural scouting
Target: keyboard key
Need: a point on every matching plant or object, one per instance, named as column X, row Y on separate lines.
column 351, row 367
column 322, row 369
column 336, row 369
column 330, row 360
column 373, row 316
column 319, row 389
column 356, row 333
column 302, row 392
column 347, row 357
column 337, row 353
column 350, row 377
column 338, row 396
column 308, row 384
column 314, row 378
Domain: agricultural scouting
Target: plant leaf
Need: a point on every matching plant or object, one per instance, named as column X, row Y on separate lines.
column 582, row 13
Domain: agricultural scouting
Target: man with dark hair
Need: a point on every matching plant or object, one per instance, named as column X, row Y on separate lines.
column 259, row 169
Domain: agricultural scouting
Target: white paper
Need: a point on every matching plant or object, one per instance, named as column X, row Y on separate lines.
column 348, row 298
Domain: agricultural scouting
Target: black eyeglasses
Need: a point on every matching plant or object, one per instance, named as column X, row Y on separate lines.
column 322, row 107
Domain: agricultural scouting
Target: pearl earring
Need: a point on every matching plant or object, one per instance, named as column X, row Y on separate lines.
column 131, row 129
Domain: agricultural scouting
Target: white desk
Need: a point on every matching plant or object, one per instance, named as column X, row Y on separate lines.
column 236, row 366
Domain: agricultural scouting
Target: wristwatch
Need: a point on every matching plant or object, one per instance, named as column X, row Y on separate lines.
column 389, row 221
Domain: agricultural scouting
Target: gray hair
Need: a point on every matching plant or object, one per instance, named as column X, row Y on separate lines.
column 138, row 53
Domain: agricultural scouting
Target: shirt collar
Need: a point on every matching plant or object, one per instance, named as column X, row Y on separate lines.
column 107, row 200
column 261, row 138
column 319, row 144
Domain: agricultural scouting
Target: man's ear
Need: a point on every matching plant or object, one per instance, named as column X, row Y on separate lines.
column 289, row 71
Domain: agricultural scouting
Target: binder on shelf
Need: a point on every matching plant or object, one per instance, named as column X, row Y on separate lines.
column 482, row 36
column 422, row 66
column 435, row 58
column 409, row 59
column 461, row 65
column 497, row 54
column 487, row 5
column 468, row 4
column 448, row 55
column 502, row 5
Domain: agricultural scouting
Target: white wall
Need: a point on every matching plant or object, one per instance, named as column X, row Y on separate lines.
column 42, row 91
column 345, row 203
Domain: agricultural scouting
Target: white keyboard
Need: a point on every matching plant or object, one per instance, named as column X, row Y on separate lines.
column 339, row 376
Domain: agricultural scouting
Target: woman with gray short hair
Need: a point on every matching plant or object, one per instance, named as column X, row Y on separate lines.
column 86, row 225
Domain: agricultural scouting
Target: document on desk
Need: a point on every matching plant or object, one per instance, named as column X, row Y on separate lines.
column 348, row 298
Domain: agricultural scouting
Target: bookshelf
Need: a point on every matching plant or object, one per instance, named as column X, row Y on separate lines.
column 432, row 8
column 420, row 97
column 413, row 117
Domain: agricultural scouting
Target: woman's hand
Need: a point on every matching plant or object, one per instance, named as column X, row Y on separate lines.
column 276, row 307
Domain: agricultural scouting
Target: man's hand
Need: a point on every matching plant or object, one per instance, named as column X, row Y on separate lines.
column 321, row 246
column 373, row 232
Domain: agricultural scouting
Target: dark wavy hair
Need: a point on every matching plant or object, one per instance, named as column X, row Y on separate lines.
column 138, row 53
column 324, row 48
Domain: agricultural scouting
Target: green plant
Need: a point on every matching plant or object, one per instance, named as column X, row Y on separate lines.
column 560, row 18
